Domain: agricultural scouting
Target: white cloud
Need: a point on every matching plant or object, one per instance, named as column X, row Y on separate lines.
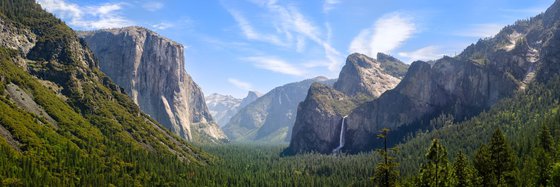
column 89, row 17
column 163, row 26
column 425, row 54
column 481, row 30
column 328, row 5
column 152, row 6
column 288, row 27
column 240, row 84
column 275, row 65
column 249, row 32
column 387, row 34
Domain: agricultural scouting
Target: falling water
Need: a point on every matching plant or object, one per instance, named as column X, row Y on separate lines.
column 341, row 140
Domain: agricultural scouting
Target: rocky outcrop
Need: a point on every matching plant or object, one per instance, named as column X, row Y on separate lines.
column 318, row 122
column 251, row 96
column 150, row 69
column 223, row 107
column 270, row 118
column 461, row 86
column 363, row 76
column 361, row 79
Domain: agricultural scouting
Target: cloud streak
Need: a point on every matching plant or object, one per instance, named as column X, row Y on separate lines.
column 88, row 17
column 240, row 84
column 426, row 53
column 153, row 6
column 274, row 64
column 388, row 33
column 287, row 27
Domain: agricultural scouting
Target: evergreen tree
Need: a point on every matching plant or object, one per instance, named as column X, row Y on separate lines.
column 436, row 171
column 483, row 165
column 463, row 171
column 545, row 152
column 386, row 173
column 502, row 159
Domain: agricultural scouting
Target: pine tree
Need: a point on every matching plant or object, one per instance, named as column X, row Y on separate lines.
column 436, row 171
column 386, row 173
column 464, row 173
column 483, row 165
column 545, row 152
column 502, row 159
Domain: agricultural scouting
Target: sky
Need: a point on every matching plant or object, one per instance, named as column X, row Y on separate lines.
column 233, row 46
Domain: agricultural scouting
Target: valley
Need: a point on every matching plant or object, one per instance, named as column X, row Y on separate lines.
column 119, row 105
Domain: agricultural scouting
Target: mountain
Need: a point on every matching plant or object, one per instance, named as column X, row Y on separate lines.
column 151, row 70
column 460, row 86
column 319, row 117
column 65, row 123
column 223, row 107
column 270, row 118
column 251, row 97
column 365, row 77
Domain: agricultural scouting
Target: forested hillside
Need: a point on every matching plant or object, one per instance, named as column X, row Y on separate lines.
column 64, row 123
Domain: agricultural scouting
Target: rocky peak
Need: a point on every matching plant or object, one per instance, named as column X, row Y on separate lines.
column 363, row 76
column 251, row 96
column 318, row 122
column 151, row 69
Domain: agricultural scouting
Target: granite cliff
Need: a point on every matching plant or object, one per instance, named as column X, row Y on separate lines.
column 151, row 70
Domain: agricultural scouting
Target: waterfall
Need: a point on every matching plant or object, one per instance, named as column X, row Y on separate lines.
column 341, row 140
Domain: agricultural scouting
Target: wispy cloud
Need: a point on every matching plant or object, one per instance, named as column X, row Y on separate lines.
column 240, row 84
column 153, row 6
column 249, row 31
column 88, row 17
column 481, row 30
column 163, row 26
column 328, row 5
column 425, row 53
column 287, row 27
column 274, row 64
column 388, row 33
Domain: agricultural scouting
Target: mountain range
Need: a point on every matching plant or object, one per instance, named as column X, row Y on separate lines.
column 460, row 86
column 223, row 107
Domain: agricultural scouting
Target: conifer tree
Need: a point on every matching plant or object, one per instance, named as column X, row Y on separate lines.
column 386, row 174
column 436, row 171
column 463, row 171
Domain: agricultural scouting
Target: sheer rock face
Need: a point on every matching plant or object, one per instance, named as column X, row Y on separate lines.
column 462, row 86
column 318, row 123
column 365, row 76
column 270, row 118
column 150, row 69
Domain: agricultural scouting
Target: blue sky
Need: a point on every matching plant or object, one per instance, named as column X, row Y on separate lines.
column 233, row 46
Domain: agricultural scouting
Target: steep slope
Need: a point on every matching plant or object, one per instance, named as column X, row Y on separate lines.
column 64, row 123
column 368, row 78
column 319, row 118
column 361, row 79
column 270, row 118
column 462, row 86
column 223, row 107
column 150, row 69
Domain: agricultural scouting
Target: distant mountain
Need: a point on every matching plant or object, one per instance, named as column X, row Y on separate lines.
column 270, row 118
column 320, row 115
column 461, row 86
column 223, row 107
column 151, row 70
column 63, row 122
